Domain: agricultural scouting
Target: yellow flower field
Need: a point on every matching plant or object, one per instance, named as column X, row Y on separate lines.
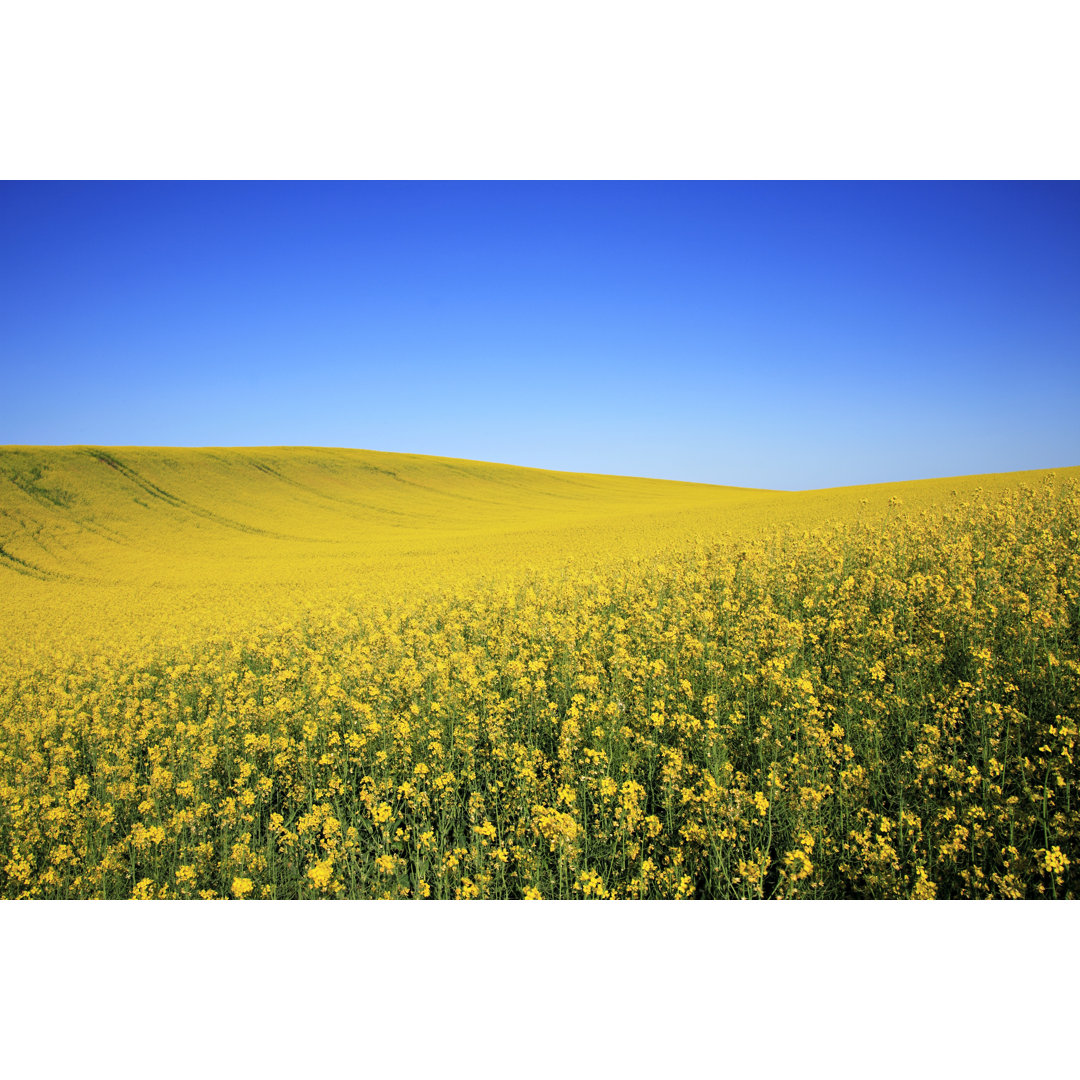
column 302, row 673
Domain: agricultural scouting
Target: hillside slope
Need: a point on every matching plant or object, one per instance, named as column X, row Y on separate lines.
column 292, row 673
column 62, row 507
column 150, row 548
column 101, row 544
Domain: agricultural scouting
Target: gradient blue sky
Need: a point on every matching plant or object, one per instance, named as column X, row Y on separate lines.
column 781, row 335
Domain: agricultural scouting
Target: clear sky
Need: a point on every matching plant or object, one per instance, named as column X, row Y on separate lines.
column 781, row 335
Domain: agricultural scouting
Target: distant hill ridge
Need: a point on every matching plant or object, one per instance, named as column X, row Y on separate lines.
column 49, row 496
column 164, row 547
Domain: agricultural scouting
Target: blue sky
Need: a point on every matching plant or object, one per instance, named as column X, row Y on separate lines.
column 783, row 335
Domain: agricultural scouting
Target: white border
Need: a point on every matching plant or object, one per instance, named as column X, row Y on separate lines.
column 845, row 989
column 575, row 89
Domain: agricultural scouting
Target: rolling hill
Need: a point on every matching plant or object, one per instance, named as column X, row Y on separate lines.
column 287, row 672
column 106, row 547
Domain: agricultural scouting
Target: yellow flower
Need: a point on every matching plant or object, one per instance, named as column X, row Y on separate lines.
column 241, row 887
column 485, row 831
column 321, row 873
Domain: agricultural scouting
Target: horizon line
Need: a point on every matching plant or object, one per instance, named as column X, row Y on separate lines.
column 515, row 465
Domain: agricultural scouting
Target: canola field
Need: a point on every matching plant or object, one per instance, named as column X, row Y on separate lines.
column 304, row 673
